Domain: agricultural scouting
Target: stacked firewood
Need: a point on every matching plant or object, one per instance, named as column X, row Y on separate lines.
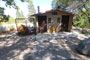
column 23, row 30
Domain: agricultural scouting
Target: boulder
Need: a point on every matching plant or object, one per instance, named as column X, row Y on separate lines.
column 84, row 47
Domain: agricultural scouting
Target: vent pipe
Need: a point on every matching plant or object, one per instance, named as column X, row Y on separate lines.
column 38, row 9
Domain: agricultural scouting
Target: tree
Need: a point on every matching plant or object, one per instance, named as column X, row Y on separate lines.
column 19, row 14
column 1, row 11
column 60, row 4
column 71, row 5
column 31, row 8
column 81, row 7
column 13, row 2
column 84, row 13
column 8, row 3
column 3, row 18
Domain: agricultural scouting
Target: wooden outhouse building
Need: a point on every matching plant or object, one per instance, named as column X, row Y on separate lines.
column 54, row 20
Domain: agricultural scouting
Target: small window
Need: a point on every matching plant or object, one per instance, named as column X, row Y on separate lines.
column 58, row 20
column 49, row 20
column 54, row 13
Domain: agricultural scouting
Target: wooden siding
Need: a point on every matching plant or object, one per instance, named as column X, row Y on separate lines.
column 54, row 20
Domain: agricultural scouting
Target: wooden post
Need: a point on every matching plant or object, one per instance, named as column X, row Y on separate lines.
column 16, row 25
column 26, row 22
column 70, row 23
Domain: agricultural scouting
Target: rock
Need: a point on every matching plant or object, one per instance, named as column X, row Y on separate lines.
column 53, row 41
column 84, row 47
column 36, row 43
column 62, row 37
column 72, row 35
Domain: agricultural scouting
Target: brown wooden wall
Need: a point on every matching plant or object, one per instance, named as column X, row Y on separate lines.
column 54, row 21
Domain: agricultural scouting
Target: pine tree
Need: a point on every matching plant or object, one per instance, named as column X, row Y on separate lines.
column 31, row 8
column 19, row 14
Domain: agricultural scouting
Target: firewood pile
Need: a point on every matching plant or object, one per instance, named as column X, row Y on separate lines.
column 23, row 30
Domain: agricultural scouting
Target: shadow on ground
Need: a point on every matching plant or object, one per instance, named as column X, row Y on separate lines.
column 15, row 47
column 63, row 49
column 28, row 48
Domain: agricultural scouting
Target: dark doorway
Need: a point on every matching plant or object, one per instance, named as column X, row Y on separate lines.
column 42, row 22
column 65, row 22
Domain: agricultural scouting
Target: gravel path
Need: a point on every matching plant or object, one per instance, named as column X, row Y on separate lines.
column 41, row 47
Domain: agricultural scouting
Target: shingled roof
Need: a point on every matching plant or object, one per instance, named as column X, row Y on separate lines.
column 53, row 10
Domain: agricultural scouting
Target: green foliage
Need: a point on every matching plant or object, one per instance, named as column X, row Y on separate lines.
column 81, row 7
column 62, row 4
column 8, row 3
column 31, row 8
column 12, row 2
column 20, row 21
column 1, row 13
column 1, row 10
column 81, row 21
column 4, row 18
column 11, row 20
column 19, row 14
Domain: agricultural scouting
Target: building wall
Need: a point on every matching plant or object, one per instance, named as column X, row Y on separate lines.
column 54, row 21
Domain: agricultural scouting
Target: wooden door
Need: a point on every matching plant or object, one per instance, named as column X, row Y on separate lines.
column 42, row 22
column 65, row 23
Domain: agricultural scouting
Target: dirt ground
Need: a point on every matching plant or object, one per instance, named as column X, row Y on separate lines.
column 41, row 47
